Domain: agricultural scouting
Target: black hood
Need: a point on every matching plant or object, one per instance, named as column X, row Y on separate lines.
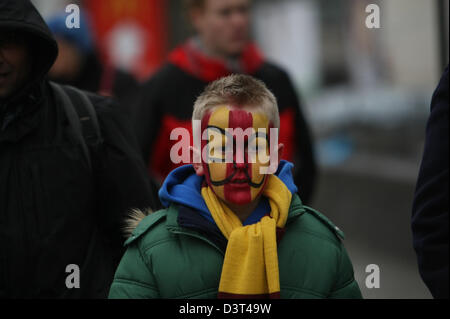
column 22, row 15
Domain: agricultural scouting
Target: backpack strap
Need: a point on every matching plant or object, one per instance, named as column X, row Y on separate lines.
column 81, row 115
column 86, row 114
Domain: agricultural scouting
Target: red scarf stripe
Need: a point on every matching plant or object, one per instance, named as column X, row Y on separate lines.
column 226, row 295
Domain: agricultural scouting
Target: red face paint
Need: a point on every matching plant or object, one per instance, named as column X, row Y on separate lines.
column 238, row 190
column 233, row 182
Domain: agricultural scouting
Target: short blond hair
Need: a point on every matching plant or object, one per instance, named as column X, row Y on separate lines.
column 238, row 90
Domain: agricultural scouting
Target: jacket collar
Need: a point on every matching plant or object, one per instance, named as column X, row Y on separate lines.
column 296, row 209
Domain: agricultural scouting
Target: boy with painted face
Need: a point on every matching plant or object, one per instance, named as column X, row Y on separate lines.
column 234, row 226
column 240, row 180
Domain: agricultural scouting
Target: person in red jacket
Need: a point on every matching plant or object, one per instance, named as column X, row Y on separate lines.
column 221, row 47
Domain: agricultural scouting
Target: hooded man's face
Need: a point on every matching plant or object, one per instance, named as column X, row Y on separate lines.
column 238, row 178
column 15, row 62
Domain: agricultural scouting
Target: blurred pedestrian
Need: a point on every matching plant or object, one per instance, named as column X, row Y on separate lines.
column 430, row 209
column 69, row 171
column 79, row 64
column 220, row 47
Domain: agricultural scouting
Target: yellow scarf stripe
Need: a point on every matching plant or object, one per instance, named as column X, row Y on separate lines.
column 251, row 260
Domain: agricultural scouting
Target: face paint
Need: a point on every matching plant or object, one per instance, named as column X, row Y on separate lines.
column 240, row 180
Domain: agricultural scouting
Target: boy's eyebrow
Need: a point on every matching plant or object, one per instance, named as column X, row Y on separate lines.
column 222, row 131
column 256, row 134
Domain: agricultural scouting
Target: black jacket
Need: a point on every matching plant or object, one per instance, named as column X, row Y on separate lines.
column 55, row 211
column 430, row 210
column 168, row 98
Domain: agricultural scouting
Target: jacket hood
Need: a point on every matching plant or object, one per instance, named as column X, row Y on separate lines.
column 183, row 185
column 21, row 15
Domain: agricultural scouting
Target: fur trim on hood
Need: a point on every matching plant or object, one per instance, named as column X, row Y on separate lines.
column 134, row 218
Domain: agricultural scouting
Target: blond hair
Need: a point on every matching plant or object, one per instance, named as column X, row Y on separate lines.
column 238, row 90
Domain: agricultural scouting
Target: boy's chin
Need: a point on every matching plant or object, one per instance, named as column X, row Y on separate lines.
column 239, row 198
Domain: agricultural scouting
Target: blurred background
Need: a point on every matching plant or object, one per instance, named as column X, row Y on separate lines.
column 366, row 94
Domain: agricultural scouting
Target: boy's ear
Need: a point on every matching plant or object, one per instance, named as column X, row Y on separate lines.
column 196, row 156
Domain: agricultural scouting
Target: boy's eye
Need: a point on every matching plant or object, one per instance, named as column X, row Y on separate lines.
column 216, row 150
column 257, row 144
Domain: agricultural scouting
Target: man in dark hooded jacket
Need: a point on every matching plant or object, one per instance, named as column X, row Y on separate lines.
column 60, row 214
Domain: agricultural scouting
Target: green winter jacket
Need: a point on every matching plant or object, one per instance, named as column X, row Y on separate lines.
column 167, row 260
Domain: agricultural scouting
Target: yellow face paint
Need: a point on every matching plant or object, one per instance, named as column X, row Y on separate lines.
column 235, row 177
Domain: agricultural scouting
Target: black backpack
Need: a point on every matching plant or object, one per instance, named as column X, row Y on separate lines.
column 81, row 115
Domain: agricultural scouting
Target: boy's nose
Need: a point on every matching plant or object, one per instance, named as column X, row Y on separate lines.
column 240, row 157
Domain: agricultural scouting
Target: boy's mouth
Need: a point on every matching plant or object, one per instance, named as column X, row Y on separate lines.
column 239, row 184
column 239, row 181
column 238, row 178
